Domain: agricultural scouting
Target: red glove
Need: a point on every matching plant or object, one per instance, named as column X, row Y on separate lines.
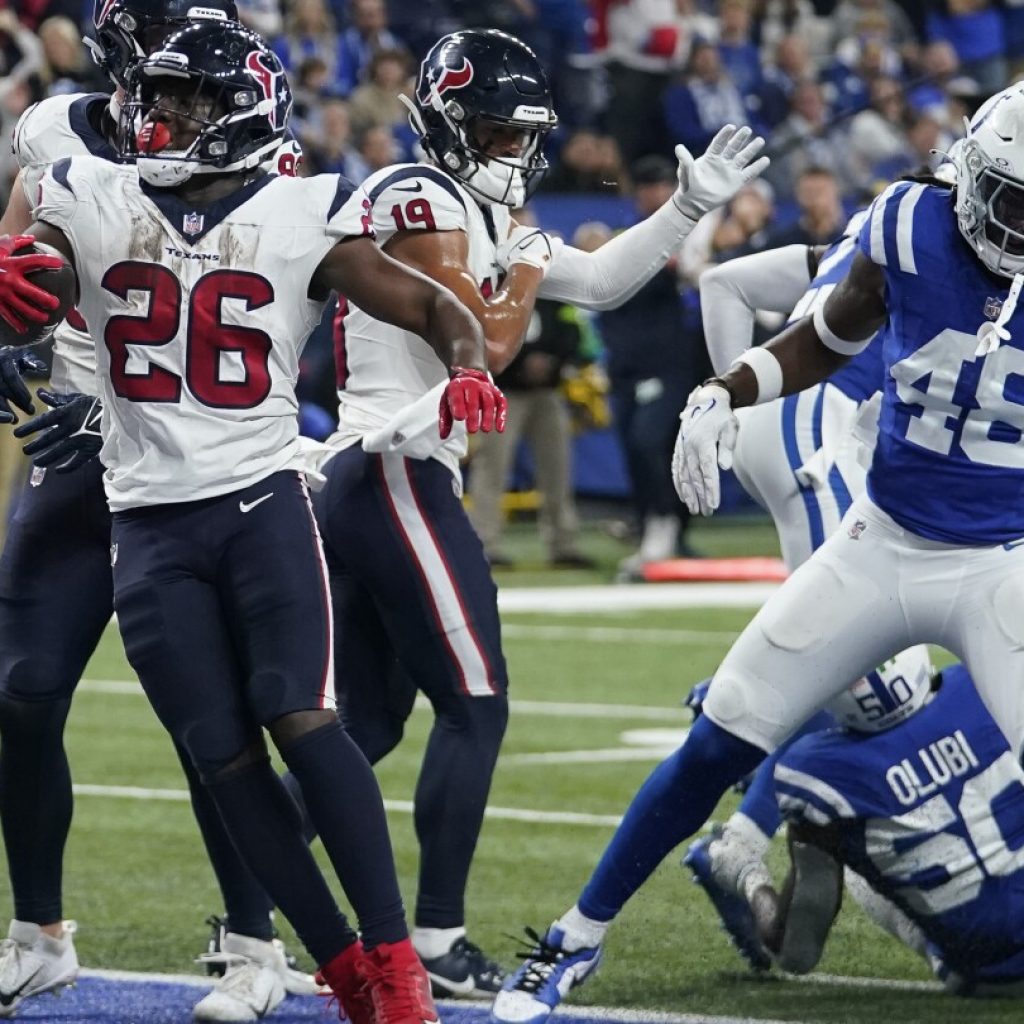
column 22, row 303
column 472, row 396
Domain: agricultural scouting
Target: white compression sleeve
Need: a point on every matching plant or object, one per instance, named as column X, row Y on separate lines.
column 606, row 278
column 731, row 293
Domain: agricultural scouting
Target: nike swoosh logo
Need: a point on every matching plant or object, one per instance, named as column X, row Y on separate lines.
column 1011, row 544
column 6, row 998
column 249, row 506
column 418, row 187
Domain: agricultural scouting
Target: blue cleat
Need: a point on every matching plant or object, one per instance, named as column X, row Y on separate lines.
column 546, row 976
column 736, row 918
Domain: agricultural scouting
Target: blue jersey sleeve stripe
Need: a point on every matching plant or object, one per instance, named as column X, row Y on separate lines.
column 905, row 228
column 818, row 789
column 341, row 196
column 417, row 171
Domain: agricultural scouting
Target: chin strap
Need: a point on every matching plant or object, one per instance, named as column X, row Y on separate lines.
column 992, row 334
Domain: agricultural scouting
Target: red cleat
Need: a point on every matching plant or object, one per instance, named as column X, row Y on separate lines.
column 347, row 975
column 399, row 985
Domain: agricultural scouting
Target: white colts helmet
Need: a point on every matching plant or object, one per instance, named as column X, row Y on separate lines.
column 887, row 696
column 990, row 183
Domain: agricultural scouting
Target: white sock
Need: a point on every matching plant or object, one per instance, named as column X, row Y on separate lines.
column 747, row 830
column 581, row 932
column 431, row 943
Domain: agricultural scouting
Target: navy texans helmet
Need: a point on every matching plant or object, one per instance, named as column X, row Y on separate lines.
column 481, row 78
column 237, row 93
column 129, row 29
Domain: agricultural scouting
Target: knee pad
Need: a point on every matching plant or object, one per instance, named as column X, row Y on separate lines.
column 216, row 744
column 483, row 717
column 37, row 678
column 34, row 722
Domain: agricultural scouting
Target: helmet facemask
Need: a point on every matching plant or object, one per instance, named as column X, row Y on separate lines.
column 990, row 211
column 216, row 106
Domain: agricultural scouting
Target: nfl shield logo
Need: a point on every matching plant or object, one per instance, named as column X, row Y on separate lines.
column 193, row 224
column 993, row 307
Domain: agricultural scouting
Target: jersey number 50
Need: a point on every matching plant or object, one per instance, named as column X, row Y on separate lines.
column 226, row 365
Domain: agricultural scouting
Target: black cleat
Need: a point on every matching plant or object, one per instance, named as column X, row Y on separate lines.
column 463, row 971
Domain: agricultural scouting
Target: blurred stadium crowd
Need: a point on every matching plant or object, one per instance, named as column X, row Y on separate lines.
column 850, row 94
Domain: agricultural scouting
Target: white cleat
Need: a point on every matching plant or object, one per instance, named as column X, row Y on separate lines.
column 32, row 962
column 296, row 982
column 254, row 982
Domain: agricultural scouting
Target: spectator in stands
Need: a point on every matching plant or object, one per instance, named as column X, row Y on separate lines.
column 368, row 33
column 858, row 18
column 822, row 217
column 377, row 150
column 923, row 147
column 263, row 16
column 975, row 29
column 538, row 414
column 736, row 48
column 803, row 140
column 69, row 66
column 21, row 55
column 329, row 149
column 699, row 105
column 310, row 32
column 939, row 65
column 375, row 104
column 645, row 43
column 790, row 65
column 775, row 19
column 877, row 135
column 309, row 86
column 651, row 360
column 858, row 62
column 588, row 162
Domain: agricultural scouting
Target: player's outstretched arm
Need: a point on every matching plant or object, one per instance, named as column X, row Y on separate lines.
column 505, row 315
column 802, row 355
column 388, row 291
column 607, row 277
column 732, row 293
column 396, row 294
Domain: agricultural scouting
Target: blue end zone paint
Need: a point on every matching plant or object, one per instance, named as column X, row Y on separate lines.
column 106, row 1001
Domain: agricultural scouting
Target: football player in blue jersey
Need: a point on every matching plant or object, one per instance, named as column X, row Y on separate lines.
column 927, row 814
column 932, row 552
column 61, row 529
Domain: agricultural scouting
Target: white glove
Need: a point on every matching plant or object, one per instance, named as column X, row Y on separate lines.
column 529, row 245
column 707, row 437
column 713, row 179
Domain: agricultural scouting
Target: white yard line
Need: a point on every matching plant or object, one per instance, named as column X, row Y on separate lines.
column 586, row 756
column 632, row 598
column 398, row 806
column 543, row 708
column 617, row 634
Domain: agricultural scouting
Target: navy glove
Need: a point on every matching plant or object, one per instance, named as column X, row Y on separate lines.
column 70, row 431
column 15, row 364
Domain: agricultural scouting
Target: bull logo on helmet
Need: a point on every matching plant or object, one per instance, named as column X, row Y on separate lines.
column 451, row 78
column 267, row 77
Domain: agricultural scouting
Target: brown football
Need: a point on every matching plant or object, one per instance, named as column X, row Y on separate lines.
column 61, row 283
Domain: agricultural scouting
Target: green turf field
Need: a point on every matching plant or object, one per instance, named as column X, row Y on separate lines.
column 137, row 882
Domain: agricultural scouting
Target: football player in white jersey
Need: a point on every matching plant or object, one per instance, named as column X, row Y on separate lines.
column 413, row 595
column 62, row 526
column 203, row 275
column 933, row 551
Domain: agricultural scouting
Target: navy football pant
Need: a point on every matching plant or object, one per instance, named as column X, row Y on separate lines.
column 224, row 608
column 56, row 598
column 416, row 609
